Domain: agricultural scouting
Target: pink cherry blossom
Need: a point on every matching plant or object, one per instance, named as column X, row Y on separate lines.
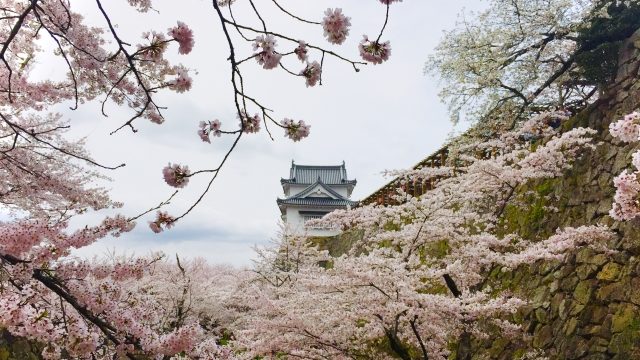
column 154, row 51
column 154, row 227
column 208, row 128
column 215, row 127
column 635, row 160
column 183, row 82
column 154, row 116
column 162, row 221
column 626, row 204
column 301, row 51
column 312, row 73
column 295, row 131
column 141, row 5
column 373, row 51
column 249, row 124
column 267, row 56
column 628, row 128
column 203, row 133
column 176, row 175
column 335, row 25
column 184, row 36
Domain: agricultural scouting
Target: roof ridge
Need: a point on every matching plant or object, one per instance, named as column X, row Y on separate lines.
column 320, row 166
column 308, row 174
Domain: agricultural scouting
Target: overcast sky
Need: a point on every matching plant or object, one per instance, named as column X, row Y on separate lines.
column 384, row 117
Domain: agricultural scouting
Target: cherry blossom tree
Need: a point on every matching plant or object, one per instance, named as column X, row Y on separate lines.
column 122, row 307
column 414, row 284
column 393, row 291
column 520, row 56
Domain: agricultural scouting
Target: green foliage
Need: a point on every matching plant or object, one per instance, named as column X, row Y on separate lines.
column 599, row 66
column 600, row 40
column 437, row 249
column 339, row 244
column 12, row 347
column 392, row 226
column 326, row 264
column 225, row 337
column 382, row 345
column 528, row 218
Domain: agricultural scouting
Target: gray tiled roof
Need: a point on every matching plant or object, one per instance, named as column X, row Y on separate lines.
column 309, row 174
column 303, row 199
column 324, row 186
column 317, row 201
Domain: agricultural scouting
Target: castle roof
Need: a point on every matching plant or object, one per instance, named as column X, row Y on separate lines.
column 308, row 174
column 318, row 194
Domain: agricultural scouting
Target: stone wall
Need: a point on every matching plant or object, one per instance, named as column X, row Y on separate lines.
column 587, row 307
column 12, row 348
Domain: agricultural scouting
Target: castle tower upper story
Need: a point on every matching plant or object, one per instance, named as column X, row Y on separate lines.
column 312, row 191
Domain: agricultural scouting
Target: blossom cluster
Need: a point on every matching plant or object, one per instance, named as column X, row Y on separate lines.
column 209, row 128
column 374, row 51
column 267, row 56
column 162, row 221
column 626, row 205
column 184, row 36
column 156, row 48
column 182, row 82
column 312, row 73
column 542, row 125
column 142, row 5
column 627, row 129
column 295, row 131
column 301, row 51
column 249, row 124
column 336, row 26
column 176, row 175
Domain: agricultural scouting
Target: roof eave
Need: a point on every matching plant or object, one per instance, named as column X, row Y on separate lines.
column 287, row 202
